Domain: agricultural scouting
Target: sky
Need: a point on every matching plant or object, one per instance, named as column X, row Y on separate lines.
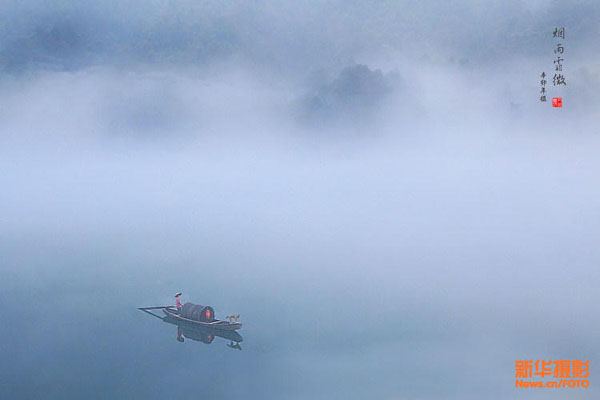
column 387, row 158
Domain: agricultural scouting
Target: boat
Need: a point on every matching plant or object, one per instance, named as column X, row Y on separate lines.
column 203, row 334
column 200, row 331
column 198, row 322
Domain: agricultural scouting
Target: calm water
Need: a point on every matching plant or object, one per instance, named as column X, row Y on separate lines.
column 358, row 278
column 71, row 329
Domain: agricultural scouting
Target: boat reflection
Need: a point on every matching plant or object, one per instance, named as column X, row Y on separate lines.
column 201, row 334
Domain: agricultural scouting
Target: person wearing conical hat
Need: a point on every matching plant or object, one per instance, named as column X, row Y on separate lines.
column 178, row 302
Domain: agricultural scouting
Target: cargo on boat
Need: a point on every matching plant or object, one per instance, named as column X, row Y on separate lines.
column 197, row 312
column 200, row 316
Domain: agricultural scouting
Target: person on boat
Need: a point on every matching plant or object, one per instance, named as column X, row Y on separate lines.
column 178, row 302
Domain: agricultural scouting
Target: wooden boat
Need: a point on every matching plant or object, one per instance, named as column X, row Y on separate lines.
column 204, row 335
column 172, row 313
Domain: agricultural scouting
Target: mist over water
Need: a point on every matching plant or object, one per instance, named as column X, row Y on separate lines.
column 394, row 219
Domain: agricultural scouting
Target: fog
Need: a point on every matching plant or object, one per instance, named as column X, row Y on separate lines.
column 379, row 178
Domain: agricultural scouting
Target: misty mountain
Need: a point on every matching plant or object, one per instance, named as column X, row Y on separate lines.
column 63, row 45
column 355, row 94
column 66, row 35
